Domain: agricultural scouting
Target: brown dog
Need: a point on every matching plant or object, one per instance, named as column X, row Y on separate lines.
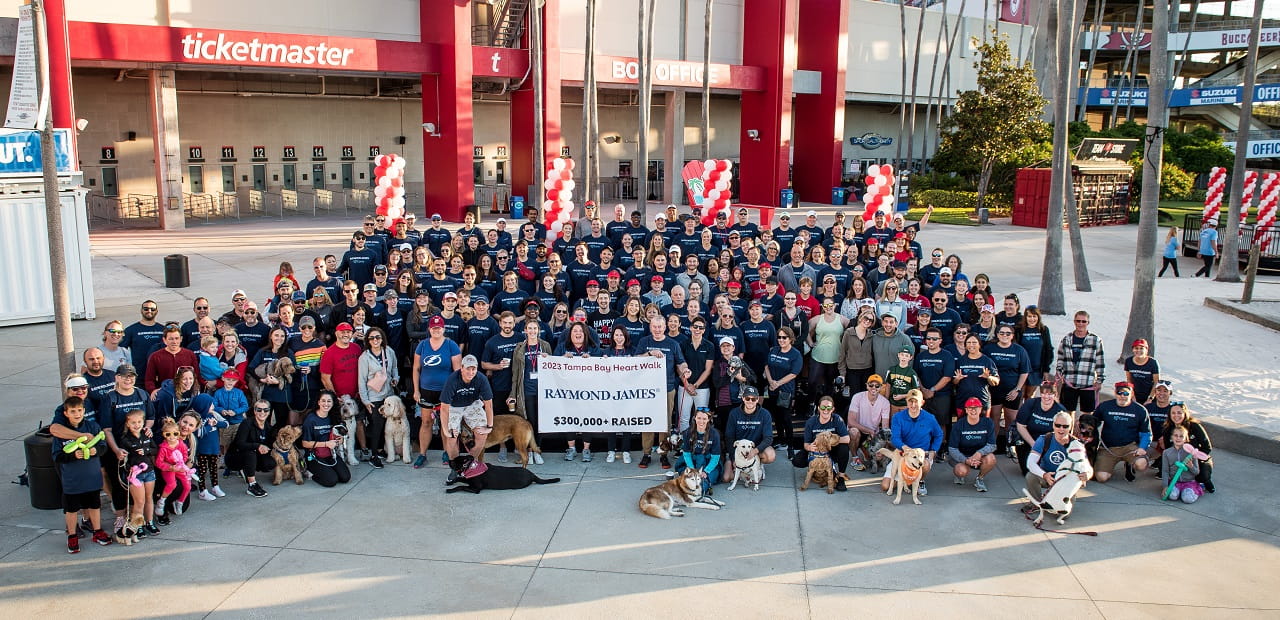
column 287, row 457
column 505, row 427
column 906, row 469
column 669, row 498
column 821, row 470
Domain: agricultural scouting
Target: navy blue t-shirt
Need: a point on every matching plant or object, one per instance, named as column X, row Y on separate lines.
column 969, row 438
column 782, row 364
column 1122, row 425
column 670, row 349
column 932, row 367
column 459, row 393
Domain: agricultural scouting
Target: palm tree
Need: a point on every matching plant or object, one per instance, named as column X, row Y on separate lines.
column 589, row 150
column 706, row 81
column 1051, row 296
column 645, row 44
column 915, row 81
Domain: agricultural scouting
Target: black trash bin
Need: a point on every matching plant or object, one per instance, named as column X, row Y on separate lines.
column 176, row 273
column 42, row 473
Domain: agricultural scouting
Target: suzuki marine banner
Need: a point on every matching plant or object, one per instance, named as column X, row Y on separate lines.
column 602, row 395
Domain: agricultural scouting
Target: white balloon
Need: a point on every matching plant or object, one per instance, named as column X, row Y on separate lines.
column 565, row 215
column 567, row 185
column 873, row 170
column 393, row 173
column 397, row 203
column 384, row 182
column 723, row 186
column 398, row 162
column 709, row 165
column 396, row 192
column 548, row 185
column 557, row 164
column 879, row 181
column 394, row 212
column 713, row 194
column 379, row 191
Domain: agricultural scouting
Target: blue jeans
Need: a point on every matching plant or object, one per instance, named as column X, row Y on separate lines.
column 701, row 461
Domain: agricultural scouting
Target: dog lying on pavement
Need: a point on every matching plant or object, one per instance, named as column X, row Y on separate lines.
column 906, row 469
column 474, row 476
column 1059, row 498
column 669, row 498
column 746, row 464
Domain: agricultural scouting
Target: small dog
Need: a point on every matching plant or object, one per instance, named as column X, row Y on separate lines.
column 669, row 498
column 507, row 426
column 672, row 445
column 820, row 469
column 474, row 476
column 282, row 369
column 1087, row 432
column 350, row 411
column 128, row 533
column 1059, row 499
column 287, row 457
column 872, row 445
column 905, row 469
column 746, row 462
column 397, row 429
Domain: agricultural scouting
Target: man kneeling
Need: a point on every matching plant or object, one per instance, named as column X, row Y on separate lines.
column 466, row 397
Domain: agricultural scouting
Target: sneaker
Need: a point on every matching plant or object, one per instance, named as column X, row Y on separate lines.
column 502, row 453
column 666, row 463
column 609, row 458
column 924, row 490
column 1208, row 486
column 160, row 506
column 419, row 462
column 586, row 456
column 958, row 480
column 1159, row 474
column 840, row 485
column 570, row 453
column 444, row 457
column 980, row 485
column 537, row 458
column 1128, row 473
column 73, row 544
column 453, row 477
column 163, row 520
column 858, row 465
column 142, row 532
column 375, row 461
column 217, row 490
column 102, row 538
column 256, row 490
column 645, row 460
column 177, row 510
column 206, row 496
column 626, row 458
column 151, row 528
column 84, row 528
column 366, row 455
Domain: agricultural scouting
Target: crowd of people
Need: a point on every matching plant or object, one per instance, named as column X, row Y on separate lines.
column 773, row 335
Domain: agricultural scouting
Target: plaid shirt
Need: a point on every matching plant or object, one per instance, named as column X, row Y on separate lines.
column 1091, row 367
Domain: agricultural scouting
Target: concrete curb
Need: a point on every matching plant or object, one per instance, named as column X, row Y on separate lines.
column 1232, row 307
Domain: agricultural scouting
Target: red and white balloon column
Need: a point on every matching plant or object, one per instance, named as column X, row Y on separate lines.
column 1213, row 195
column 880, row 195
column 717, row 177
column 1250, row 183
column 1268, row 200
column 558, row 207
column 388, row 188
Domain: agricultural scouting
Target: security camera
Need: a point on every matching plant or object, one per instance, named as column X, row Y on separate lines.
column 81, row 124
column 753, row 134
column 429, row 128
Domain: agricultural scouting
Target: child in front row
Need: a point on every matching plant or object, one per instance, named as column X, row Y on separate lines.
column 171, row 461
column 140, row 467
column 81, row 475
column 1185, row 488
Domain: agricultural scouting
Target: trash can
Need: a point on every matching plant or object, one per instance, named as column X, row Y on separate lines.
column 176, row 272
column 517, row 207
column 787, row 200
column 839, row 197
column 42, row 474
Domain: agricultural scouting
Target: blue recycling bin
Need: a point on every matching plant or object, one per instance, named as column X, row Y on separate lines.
column 839, row 197
column 517, row 207
column 787, row 199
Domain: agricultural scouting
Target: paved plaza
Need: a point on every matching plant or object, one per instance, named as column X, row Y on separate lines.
column 391, row 543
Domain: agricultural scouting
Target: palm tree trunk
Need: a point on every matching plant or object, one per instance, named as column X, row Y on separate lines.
column 915, row 81
column 1137, row 61
column 902, row 99
column 588, row 97
column 1051, row 299
column 1142, row 312
column 933, row 77
column 944, row 100
column 706, row 81
column 646, row 99
column 1128, row 56
column 1093, row 52
column 1069, row 76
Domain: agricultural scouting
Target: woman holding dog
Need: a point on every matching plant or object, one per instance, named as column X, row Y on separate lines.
column 318, row 439
column 1048, row 453
column 378, row 377
column 825, row 420
column 702, row 449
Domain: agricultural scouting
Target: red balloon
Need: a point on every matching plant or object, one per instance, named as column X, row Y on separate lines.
column 568, row 164
column 397, row 182
column 383, row 203
column 713, row 176
column 553, row 194
column 724, row 203
column 566, row 174
column 708, row 220
column 379, row 171
column 722, row 164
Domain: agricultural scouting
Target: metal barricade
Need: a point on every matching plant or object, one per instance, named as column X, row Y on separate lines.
column 257, row 202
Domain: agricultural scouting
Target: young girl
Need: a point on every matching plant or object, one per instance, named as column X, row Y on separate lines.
column 285, row 273
column 1170, row 256
column 140, row 469
column 171, row 462
column 1185, row 488
column 207, row 446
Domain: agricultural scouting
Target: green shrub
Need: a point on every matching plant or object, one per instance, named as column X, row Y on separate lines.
column 945, row 199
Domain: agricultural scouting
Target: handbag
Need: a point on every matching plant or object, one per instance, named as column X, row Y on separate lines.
column 377, row 381
column 783, row 399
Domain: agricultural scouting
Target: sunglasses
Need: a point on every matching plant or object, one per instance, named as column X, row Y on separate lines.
column 262, row 409
column 874, row 385
column 79, row 387
column 1123, row 393
column 937, row 256
column 170, row 434
column 307, row 327
column 697, row 327
column 826, row 408
column 237, row 299
column 250, row 311
column 1081, row 322
column 150, row 309
column 1176, row 403
column 933, row 338
column 375, row 337
column 115, row 331
column 1062, row 426
column 202, row 307
column 783, row 338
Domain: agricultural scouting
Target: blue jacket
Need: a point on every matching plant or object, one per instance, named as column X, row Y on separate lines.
column 920, row 432
column 231, row 400
column 206, row 435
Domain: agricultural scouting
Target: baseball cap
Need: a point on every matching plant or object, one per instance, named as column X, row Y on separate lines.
column 750, row 392
column 900, row 235
column 873, row 241
column 875, row 379
column 449, row 295
column 735, row 284
column 755, row 302
column 436, row 217
column 1141, row 342
column 973, row 402
column 593, row 282
column 470, row 361
column 988, row 308
column 725, row 340
column 380, row 269
column 231, row 374
column 784, row 216
column 811, row 214
column 76, row 381
column 532, row 301
column 613, row 273
column 897, row 264
column 410, row 217
column 657, row 279
column 305, row 321
column 734, row 233
column 633, row 282
column 238, row 293
column 742, row 210
column 660, row 216
column 126, row 370
column 344, row 327
column 924, row 312
column 1124, row 384
column 404, row 247
column 299, row 296
column 946, row 270
column 765, row 265
column 434, row 321
column 721, row 214
column 479, row 299
column 904, row 349
column 371, row 287
column 1164, row 383
column 250, row 305
column 422, row 292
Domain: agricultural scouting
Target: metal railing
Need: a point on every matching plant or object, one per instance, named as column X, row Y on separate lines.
column 487, row 197
column 1270, row 240
column 132, row 210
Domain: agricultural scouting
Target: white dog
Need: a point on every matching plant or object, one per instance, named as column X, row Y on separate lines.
column 347, row 449
column 746, row 462
column 1060, row 498
column 397, row 430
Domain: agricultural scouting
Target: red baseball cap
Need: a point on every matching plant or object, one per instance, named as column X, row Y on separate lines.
column 435, row 321
column 633, row 282
column 973, row 402
column 1141, row 342
column 231, row 374
column 735, row 284
column 344, row 327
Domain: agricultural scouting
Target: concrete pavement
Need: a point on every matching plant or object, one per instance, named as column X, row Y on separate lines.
column 391, row 543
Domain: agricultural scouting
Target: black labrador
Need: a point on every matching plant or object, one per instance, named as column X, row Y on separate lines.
column 473, row 476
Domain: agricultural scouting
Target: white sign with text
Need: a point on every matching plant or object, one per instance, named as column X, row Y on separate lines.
column 602, row 395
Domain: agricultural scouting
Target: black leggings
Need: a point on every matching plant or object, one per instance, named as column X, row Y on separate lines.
column 1023, row 450
column 374, row 426
column 839, row 455
column 329, row 475
column 1086, row 399
column 1208, row 264
column 1167, row 263
column 251, row 463
column 856, row 378
column 820, row 378
column 782, row 422
column 280, row 415
column 620, row 442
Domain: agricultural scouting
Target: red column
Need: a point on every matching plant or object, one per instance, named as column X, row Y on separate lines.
column 821, row 46
column 446, row 103
column 523, row 173
column 768, row 35
column 60, row 95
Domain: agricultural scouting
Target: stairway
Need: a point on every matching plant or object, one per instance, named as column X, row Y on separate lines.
column 508, row 22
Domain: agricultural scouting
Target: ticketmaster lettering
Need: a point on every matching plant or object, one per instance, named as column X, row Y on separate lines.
column 563, row 394
column 222, row 49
